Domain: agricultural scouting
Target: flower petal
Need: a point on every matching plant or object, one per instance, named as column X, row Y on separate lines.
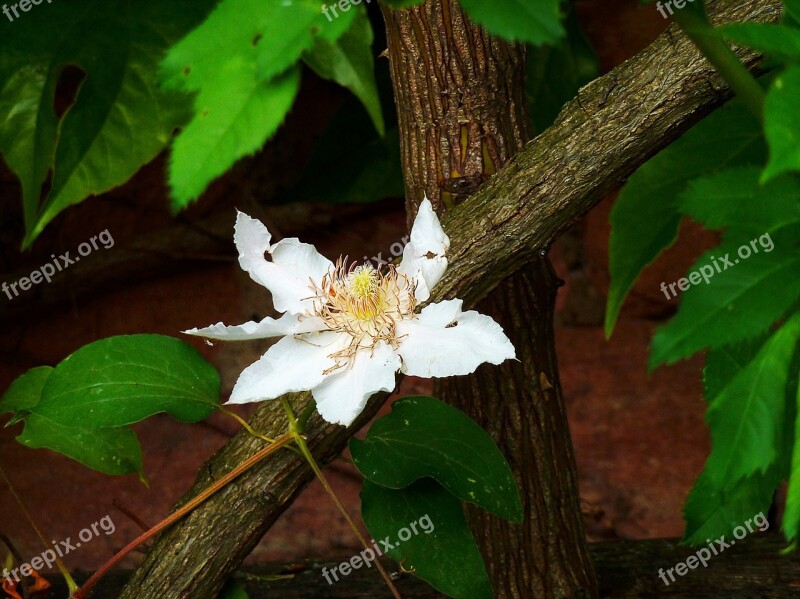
column 288, row 324
column 432, row 347
column 292, row 364
column 342, row 396
column 424, row 258
column 289, row 276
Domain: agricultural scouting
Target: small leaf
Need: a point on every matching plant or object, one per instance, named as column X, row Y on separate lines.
column 532, row 21
column 26, row 390
column 423, row 436
column 348, row 61
column 645, row 218
column 782, row 124
column 125, row 379
column 442, row 552
column 112, row 451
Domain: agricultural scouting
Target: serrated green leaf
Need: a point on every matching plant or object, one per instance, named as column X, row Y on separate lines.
column 121, row 380
column 348, row 61
column 556, row 73
column 746, row 417
column 532, row 21
column 776, row 41
column 645, row 217
column 26, row 390
column 243, row 64
column 714, row 509
column 120, row 119
column 746, row 288
column 423, row 436
column 235, row 117
column 114, row 451
column 443, row 553
column 782, row 124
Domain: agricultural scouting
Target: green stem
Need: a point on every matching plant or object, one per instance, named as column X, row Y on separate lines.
column 723, row 59
column 300, row 441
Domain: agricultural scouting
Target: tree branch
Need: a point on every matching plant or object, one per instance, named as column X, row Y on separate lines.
column 617, row 122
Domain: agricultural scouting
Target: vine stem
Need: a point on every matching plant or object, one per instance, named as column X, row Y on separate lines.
column 735, row 74
column 295, row 429
column 281, row 441
column 60, row 564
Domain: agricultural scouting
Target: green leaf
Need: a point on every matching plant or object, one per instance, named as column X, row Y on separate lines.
column 532, row 21
column 348, row 61
column 119, row 121
column 556, row 73
column 443, row 552
column 125, row 379
column 645, row 218
column 243, row 64
column 714, row 509
column 791, row 9
column 776, row 41
column 782, row 124
column 235, row 117
column 113, row 451
column 744, row 297
column 423, row 436
column 26, row 390
column 746, row 417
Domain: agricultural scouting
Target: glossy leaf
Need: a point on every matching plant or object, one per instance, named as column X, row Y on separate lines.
column 125, row 379
column 446, row 557
column 423, row 437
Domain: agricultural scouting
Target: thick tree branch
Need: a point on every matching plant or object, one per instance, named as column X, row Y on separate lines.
column 618, row 122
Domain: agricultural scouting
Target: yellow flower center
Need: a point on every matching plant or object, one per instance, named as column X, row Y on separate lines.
column 365, row 303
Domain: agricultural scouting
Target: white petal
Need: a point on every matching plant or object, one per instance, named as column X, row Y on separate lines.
column 289, row 277
column 432, row 349
column 424, row 256
column 292, row 364
column 342, row 396
column 288, row 324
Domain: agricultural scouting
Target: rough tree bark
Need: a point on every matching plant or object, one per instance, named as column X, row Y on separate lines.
column 462, row 114
column 622, row 119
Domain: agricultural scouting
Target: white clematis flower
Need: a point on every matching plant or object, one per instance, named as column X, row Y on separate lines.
column 347, row 330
